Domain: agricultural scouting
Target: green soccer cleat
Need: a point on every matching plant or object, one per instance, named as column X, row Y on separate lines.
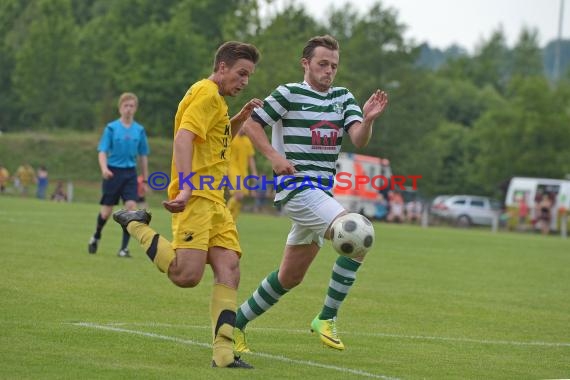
column 240, row 344
column 327, row 332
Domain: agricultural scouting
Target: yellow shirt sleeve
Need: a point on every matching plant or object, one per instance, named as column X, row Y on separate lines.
column 201, row 113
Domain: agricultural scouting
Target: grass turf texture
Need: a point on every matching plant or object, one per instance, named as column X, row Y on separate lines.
column 428, row 303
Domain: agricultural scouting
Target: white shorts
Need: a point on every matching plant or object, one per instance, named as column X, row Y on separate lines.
column 312, row 212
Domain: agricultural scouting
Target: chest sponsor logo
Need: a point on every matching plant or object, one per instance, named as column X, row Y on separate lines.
column 225, row 142
column 324, row 136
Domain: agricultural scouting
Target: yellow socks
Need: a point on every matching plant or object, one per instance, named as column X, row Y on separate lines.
column 223, row 316
column 157, row 248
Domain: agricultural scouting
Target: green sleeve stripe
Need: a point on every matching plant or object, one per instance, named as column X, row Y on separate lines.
column 281, row 99
column 274, row 115
column 311, row 156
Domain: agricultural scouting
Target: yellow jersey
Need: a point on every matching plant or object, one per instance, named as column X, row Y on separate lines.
column 26, row 174
column 204, row 112
column 242, row 150
column 4, row 175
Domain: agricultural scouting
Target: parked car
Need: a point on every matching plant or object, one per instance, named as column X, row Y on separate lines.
column 466, row 210
column 438, row 207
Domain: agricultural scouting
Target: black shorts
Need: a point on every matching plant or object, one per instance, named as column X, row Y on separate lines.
column 122, row 185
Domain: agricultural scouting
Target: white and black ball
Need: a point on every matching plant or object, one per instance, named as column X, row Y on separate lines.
column 352, row 235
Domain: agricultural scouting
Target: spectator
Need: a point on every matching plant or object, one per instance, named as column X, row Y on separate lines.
column 381, row 207
column 4, row 178
column 523, row 212
column 544, row 213
column 25, row 176
column 414, row 211
column 59, row 194
column 386, row 172
column 396, row 212
column 42, row 182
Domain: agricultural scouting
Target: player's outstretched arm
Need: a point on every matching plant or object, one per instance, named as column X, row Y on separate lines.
column 257, row 135
column 360, row 133
column 375, row 105
column 239, row 118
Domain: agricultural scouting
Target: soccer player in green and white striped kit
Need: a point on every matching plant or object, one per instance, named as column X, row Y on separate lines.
column 308, row 121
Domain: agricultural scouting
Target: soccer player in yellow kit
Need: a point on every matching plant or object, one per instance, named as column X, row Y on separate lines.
column 202, row 227
column 242, row 160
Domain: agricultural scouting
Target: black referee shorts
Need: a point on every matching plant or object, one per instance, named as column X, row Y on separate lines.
column 122, row 185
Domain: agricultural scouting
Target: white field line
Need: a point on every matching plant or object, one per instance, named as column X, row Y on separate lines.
column 399, row 336
column 206, row 345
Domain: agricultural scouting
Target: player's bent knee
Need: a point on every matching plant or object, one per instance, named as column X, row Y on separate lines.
column 227, row 275
column 183, row 280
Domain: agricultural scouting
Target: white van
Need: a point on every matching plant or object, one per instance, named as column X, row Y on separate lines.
column 533, row 189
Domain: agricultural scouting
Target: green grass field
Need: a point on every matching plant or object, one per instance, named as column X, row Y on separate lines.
column 432, row 303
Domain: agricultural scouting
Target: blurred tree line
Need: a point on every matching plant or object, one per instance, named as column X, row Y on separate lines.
column 465, row 122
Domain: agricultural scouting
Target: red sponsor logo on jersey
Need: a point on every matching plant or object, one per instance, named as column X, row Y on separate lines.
column 324, row 135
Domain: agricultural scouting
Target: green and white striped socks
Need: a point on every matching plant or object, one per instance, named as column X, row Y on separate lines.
column 266, row 295
column 270, row 291
column 342, row 279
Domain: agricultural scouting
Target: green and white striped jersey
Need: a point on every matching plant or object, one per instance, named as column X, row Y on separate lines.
column 308, row 127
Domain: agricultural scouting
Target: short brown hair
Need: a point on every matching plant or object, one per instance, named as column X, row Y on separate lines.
column 127, row 96
column 326, row 41
column 230, row 52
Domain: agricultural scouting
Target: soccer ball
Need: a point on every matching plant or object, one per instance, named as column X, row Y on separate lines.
column 352, row 235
